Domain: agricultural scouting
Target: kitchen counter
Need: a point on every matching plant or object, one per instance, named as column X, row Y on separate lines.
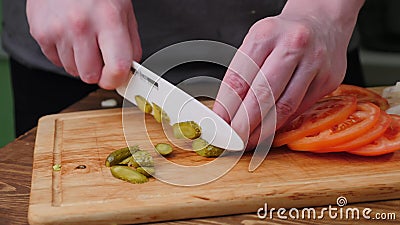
column 16, row 171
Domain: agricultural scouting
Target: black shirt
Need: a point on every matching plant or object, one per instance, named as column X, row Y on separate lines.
column 161, row 23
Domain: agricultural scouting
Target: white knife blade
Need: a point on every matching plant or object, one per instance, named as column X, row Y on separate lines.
column 180, row 107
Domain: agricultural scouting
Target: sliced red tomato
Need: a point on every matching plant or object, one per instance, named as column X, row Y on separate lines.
column 389, row 142
column 360, row 122
column 321, row 116
column 376, row 132
column 362, row 94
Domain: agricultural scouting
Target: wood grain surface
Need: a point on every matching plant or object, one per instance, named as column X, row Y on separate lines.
column 16, row 160
column 16, row 170
column 92, row 196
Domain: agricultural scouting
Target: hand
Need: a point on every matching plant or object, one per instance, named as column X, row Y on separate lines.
column 96, row 40
column 302, row 55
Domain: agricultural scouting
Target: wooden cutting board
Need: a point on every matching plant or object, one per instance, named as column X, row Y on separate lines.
column 92, row 196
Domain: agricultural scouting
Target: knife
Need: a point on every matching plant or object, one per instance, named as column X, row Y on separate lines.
column 180, row 107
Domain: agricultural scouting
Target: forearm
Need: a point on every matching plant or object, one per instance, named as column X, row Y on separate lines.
column 343, row 13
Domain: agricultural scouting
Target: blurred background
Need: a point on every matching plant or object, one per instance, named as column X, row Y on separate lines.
column 6, row 101
column 378, row 26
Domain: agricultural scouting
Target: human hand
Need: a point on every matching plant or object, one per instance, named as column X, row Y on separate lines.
column 302, row 55
column 96, row 40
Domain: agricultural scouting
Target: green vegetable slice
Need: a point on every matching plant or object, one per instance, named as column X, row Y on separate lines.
column 159, row 114
column 57, row 167
column 143, row 158
column 126, row 161
column 132, row 162
column 128, row 174
column 118, row 156
column 164, row 149
column 188, row 129
column 147, row 171
column 202, row 148
column 143, row 104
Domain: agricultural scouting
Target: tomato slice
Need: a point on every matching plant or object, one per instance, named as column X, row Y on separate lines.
column 387, row 143
column 376, row 132
column 360, row 122
column 362, row 94
column 322, row 115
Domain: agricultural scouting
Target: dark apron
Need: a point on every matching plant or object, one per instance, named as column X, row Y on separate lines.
column 161, row 23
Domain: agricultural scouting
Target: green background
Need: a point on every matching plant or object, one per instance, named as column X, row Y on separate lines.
column 6, row 103
column 6, row 110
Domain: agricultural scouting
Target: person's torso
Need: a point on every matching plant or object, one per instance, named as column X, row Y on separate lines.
column 161, row 23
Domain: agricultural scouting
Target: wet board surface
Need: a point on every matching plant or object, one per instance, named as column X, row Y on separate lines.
column 92, row 196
